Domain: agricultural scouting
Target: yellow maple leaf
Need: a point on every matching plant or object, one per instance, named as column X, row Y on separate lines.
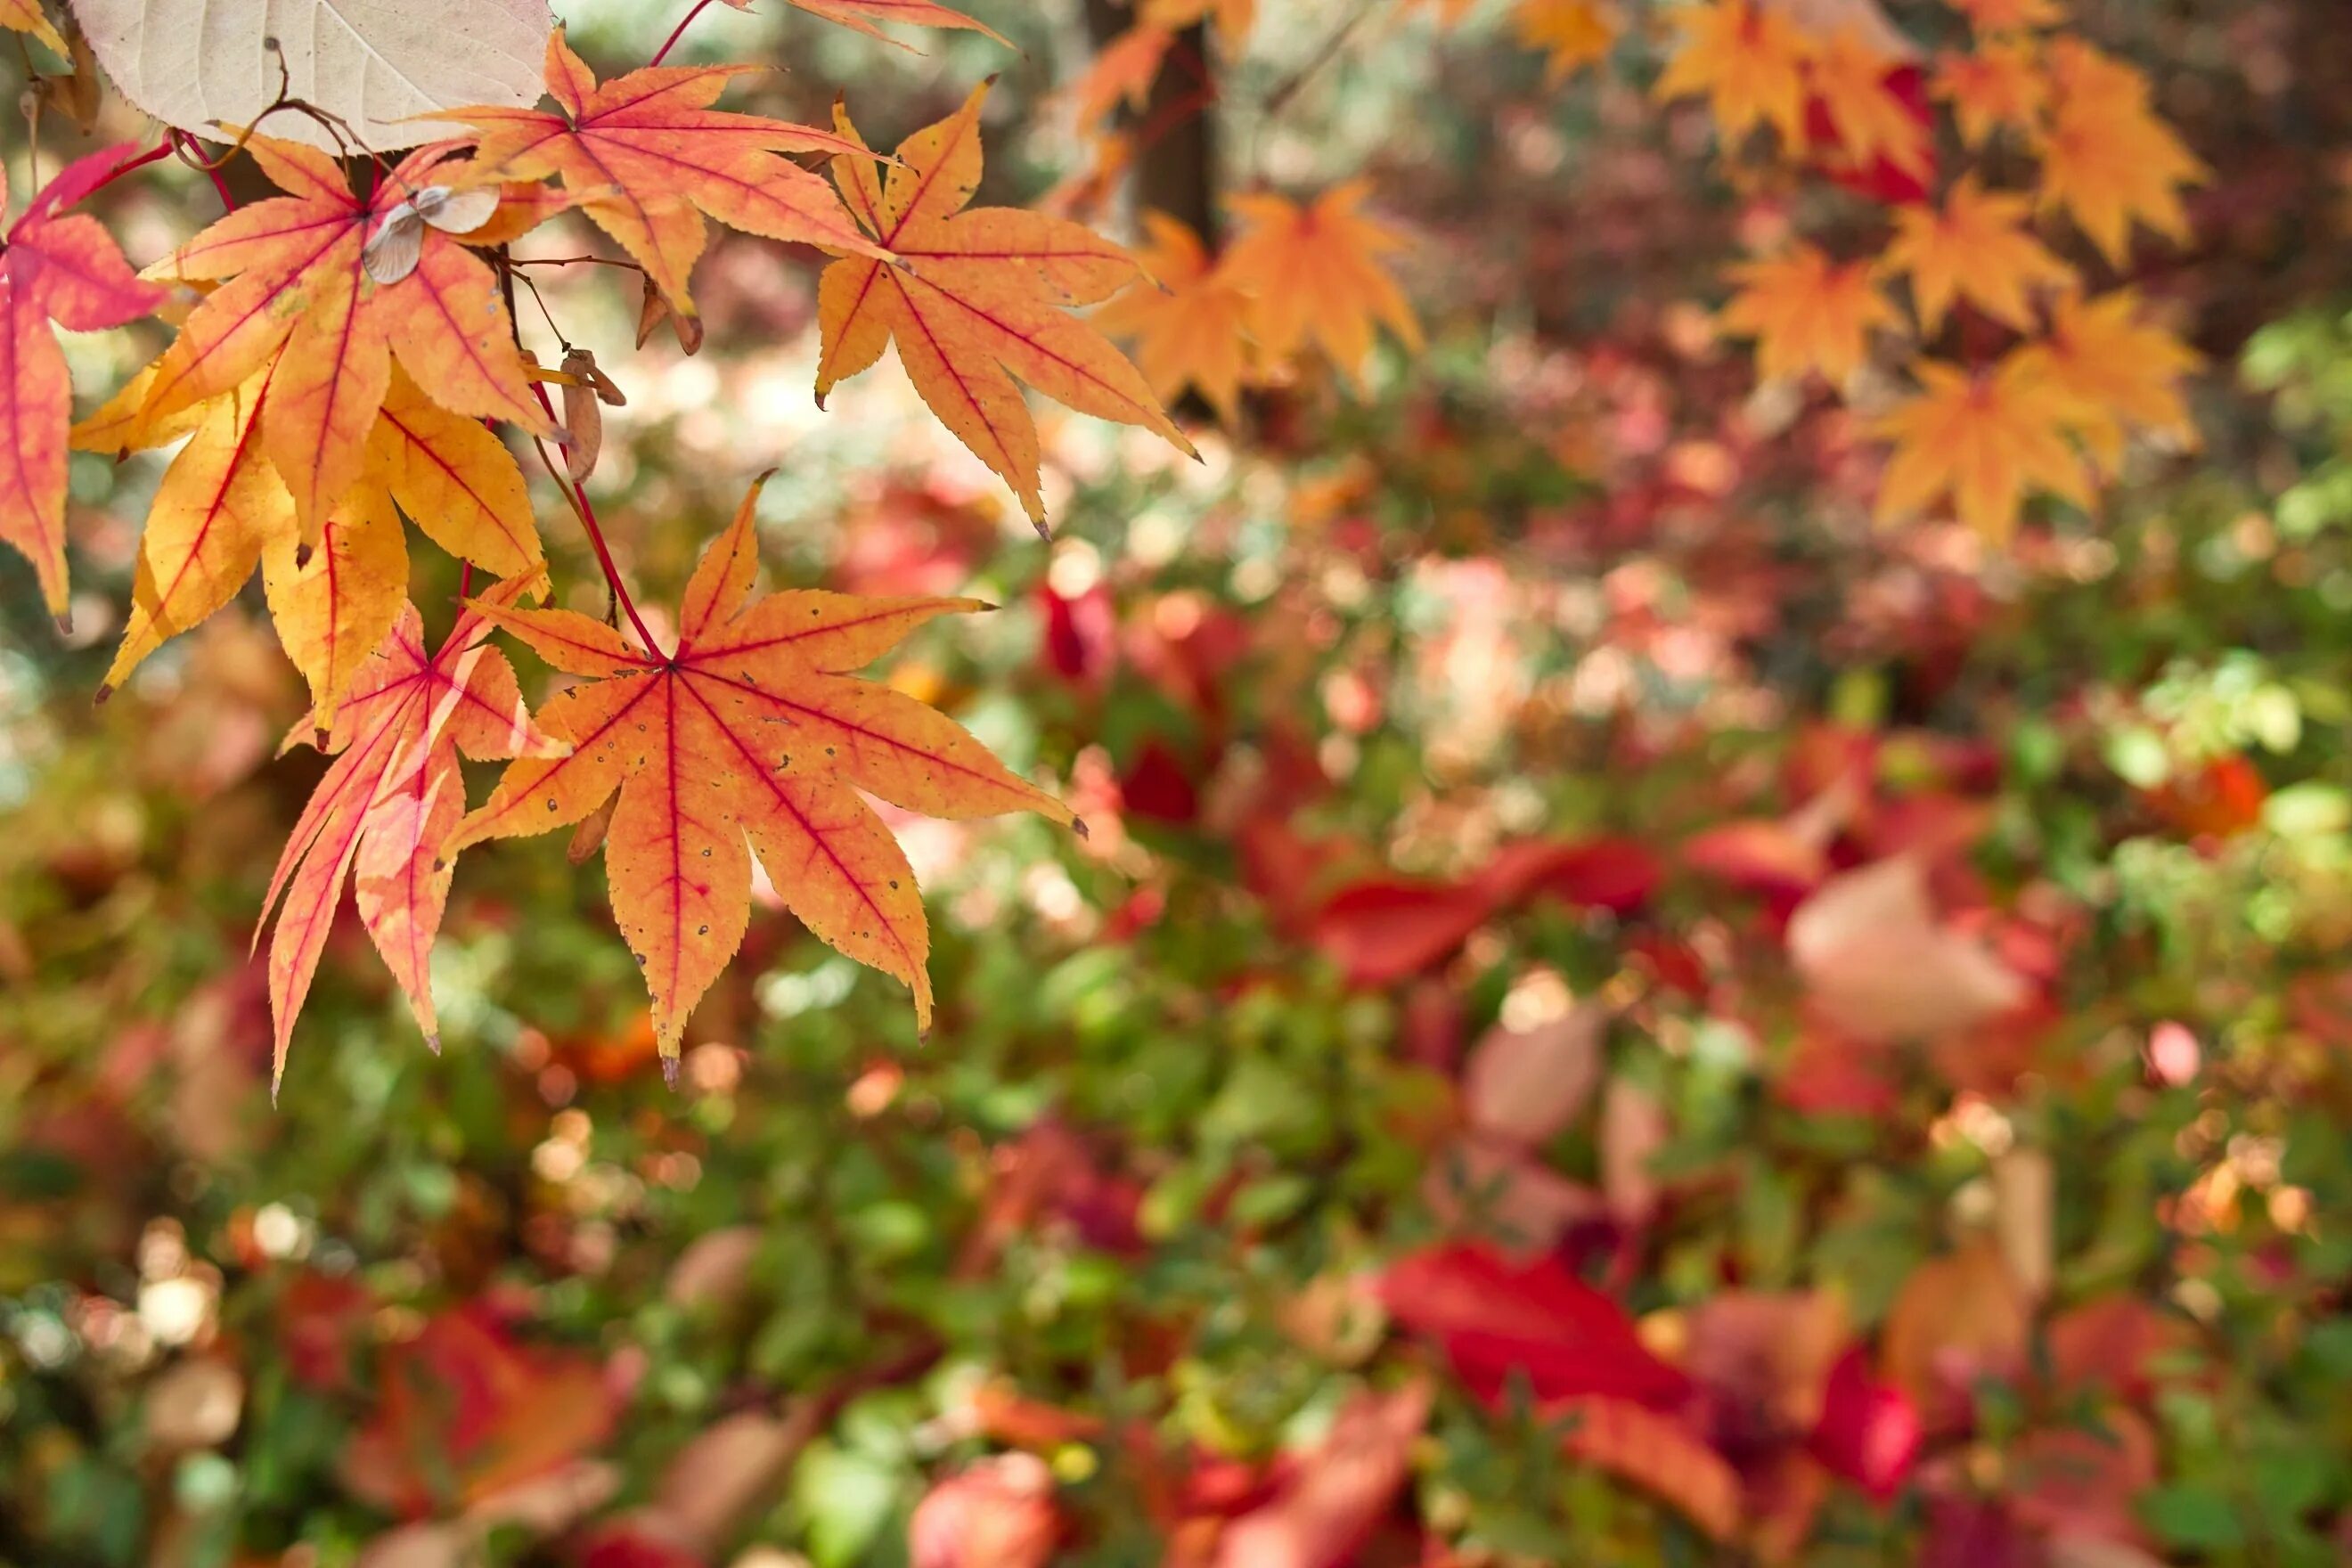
column 2118, row 370
column 1870, row 123
column 24, row 17
column 2000, row 84
column 1314, row 272
column 1747, row 61
column 1807, row 313
column 1572, row 33
column 1985, row 438
column 1976, row 248
column 1190, row 327
column 2105, row 156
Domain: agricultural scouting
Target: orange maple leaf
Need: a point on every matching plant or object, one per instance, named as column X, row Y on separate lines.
column 301, row 292
column 2009, row 15
column 389, row 803
column 221, row 508
column 27, row 17
column 980, row 303
column 62, row 267
column 2118, row 372
column 1976, row 248
column 1807, row 313
column 646, row 156
column 2105, row 156
column 1189, row 322
column 1233, row 18
column 1122, row 72
column 2002, row 84
column 1571, row 33
column 1985, row 439
column 1870, row 123
column 750, row 730
column 1748, row 61
column 1313, row 271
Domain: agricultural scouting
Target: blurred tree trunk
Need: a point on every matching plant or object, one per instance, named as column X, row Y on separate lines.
column 1176, row 172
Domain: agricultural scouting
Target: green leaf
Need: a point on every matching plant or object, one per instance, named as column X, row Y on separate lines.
column 2193, row 1517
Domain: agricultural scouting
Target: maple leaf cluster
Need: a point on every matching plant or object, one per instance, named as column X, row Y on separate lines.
column 2029, row 382
column 345, row 359
column 1301, row 280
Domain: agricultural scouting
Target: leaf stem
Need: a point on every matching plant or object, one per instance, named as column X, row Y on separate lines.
column 677, row 33
column 185, row 146
column 587, row 515
column 160, row 151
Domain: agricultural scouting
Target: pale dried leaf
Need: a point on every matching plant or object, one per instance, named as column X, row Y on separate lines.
column 714, row 1265
column 721, row 1475
column 202, row 63
column 2025, row 1196
column 1632, row 1129
column 1881, row 966
column 193, row 1405
column 1523, row 1086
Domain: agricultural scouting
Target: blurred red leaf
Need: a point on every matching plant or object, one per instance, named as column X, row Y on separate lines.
column 1337, row 1492
column 1657, row 1453
column 1081, row 641
column 2222, row 799
column 1613, row 874
column 1760, row 854
column 2083, row 1481
column 997, row 1513
column 1882, row 179
column 1830, row 1074
column 1382, row 930
column 466, row 1401
column 318, row 1318
column 625, row 1546
column 1868, row 1431
column 2114, row 1342
column 1158, row 786
column 1495, row 1318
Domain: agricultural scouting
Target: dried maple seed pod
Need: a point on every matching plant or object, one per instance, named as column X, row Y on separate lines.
column 392, row 252
column 583, row 419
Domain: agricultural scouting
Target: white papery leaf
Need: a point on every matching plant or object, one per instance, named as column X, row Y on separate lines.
column 203, row 64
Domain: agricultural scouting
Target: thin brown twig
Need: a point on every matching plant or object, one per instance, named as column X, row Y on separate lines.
column 573, row 261
column 586, row 513
column 32, row 117
column 545, row 314
column 1288, row 89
